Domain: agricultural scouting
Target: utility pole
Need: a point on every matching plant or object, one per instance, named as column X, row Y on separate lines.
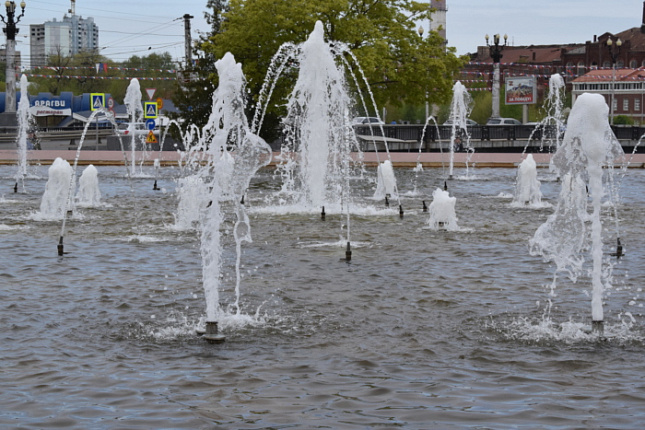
column 188, row 41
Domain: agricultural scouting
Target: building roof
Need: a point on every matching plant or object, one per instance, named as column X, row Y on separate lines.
column 635, row 38
column 608, row 75
column 534, row 54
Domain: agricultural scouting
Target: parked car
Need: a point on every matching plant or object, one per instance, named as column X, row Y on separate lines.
column 503, row 121
column 469, row 122
column 359, row 120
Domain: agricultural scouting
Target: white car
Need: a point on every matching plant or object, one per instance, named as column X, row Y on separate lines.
column 360, row 120
column 503, row 121
column 469, row 122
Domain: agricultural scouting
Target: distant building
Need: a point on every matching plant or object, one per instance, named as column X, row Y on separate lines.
column 17, row 59
column 68, row 37
column 570, row 60
column 626, row 85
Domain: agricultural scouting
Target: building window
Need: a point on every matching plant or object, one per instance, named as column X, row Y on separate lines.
column 633, row 64
column 625, row 105
column 637, row 105
column 614, row 105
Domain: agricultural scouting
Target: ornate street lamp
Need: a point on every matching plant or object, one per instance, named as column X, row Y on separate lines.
column 11, row 30
column 614, row 52
column 496, row 54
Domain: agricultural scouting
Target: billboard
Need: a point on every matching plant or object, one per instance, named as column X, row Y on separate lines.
column 521, row 90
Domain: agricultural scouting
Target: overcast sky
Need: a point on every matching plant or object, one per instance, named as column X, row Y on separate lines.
column 131, row 27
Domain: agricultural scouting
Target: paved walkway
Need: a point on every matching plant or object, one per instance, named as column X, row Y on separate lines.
column 399, row 159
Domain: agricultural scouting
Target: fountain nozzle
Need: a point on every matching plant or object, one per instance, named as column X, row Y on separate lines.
column 387, row 202
column 15, row 187
column 154, row 187
column 619, row 249
column 211, row 335
column 242, row 200
column 322, row 214
column 60, row 247
column 425, row 207
column 348, row 252
column 445, row 186
column 598, row 327
column 401, row 211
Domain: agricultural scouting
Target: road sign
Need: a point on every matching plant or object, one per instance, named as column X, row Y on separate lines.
column 151, row 124
column 150, row 110
column 159, row 103
column 151, row 137
column 150, row 92
column 97, row 101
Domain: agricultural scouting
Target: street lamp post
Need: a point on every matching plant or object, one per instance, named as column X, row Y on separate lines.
column 614, row 52
column 496, row 54
column 11, row 30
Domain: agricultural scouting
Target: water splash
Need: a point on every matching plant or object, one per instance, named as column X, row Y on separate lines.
column 460, row 108
column 588, row 145
column 89, row 193
column 53, row 204
column 442, row 211
column 527, row 186
column 25, row 119
column 226, row 176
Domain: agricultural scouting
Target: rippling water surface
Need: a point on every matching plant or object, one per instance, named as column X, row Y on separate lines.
column 424, row 329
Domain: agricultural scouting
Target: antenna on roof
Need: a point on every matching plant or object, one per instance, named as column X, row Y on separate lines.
column 72, row 10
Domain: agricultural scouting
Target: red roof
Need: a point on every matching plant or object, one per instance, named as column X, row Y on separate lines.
column 607, row 75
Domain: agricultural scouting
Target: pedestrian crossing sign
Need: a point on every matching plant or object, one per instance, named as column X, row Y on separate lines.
column 97, row 101
column 150, row 110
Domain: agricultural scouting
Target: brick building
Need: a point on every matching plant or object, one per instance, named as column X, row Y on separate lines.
column 626, row 87
column 570, row 60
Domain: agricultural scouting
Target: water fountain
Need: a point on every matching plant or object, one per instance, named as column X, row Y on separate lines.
column 460, row 108
column 386, row 181
column 134, row 108
column 587, row 147
column 317, row 128
column 527, row 186
column 442, row 211
column 89, row 193
column 53, row 205
column 226, row 176
column 24, row 123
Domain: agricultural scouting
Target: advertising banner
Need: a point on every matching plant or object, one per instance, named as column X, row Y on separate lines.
column 521, row 90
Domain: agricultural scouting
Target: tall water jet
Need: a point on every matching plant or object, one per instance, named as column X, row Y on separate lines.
column 442, row 211
column 317, row 128
column 24, row 123
column 527, row 186
column 134, row 108
column 53, row 204
column 588, row 145
column 89, row 193
column 555, row 112
column 227, row 177
column 460, row 108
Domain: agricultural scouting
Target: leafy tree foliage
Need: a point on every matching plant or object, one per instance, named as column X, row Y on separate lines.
column 400, row 65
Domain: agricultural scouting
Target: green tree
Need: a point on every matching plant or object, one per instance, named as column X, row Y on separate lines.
column 400, row 65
